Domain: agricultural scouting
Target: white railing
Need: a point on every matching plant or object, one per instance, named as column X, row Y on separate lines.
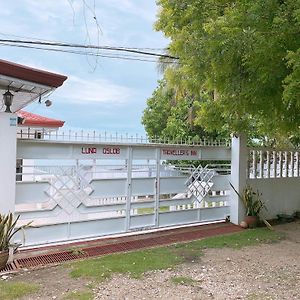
column 29, row 172
column 273, row 163
column 100, row 137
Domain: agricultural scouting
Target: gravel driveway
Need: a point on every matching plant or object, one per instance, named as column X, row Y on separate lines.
column 269, row 271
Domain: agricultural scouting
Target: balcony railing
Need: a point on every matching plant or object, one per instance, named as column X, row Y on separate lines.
column 104, row 137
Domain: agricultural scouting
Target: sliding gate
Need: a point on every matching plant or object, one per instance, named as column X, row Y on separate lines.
column 74, row 191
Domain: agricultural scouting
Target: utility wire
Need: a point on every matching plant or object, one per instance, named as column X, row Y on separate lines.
column 43, row 40
column 79, row 52
column 120, row 56
column 109, row 48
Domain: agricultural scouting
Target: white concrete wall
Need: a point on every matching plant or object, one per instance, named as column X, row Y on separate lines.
column 280, row 195
column 8, row 129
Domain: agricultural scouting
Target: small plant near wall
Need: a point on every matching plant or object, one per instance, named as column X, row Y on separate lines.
column 7, row 231
column 253, row 205
column 252, row 201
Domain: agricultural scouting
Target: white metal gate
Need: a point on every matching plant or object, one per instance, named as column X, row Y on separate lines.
column 91, row 190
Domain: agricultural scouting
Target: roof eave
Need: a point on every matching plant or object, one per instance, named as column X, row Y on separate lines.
column 30, row 74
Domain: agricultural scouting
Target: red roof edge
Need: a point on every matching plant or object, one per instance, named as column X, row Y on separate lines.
column 22, row 72
column 31, row 119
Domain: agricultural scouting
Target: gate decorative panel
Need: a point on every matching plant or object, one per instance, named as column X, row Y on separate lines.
column 89, row 198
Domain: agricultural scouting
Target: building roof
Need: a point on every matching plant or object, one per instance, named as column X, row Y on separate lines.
column 26, row 84
column 34, row 120
column 22, row 72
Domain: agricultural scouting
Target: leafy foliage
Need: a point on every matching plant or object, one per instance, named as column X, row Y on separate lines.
column 8, row 230
column 243, row 55
column 251, row 200
column 170, row 115
column 156, row 114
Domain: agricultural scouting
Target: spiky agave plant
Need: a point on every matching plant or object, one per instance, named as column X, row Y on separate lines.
column 8, row 230
column 252, row 201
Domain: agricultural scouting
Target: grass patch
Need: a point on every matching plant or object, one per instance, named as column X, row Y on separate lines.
column 134, row 263
column 236, row 240
column 15, row 290
column 184, row 280
column 138, row 262
column 80, row 295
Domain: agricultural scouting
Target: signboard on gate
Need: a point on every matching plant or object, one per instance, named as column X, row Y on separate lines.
column 99, row 152
column 180, row 154
column 102, row 150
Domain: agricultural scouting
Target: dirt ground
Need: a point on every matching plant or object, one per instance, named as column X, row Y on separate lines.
column 269, row 271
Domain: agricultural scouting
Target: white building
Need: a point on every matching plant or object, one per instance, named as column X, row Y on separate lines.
column 32, row 125
column 20, row 85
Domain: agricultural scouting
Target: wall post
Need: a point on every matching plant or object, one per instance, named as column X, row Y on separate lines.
column 239, row 158
column 8, row 149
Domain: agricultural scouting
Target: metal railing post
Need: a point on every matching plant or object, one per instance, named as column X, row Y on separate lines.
column 157, row 187
column 129, row 188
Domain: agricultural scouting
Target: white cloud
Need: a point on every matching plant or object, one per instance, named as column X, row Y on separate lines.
column 141, row 9
column 48, row 9
column 99, row 90
column 47, row 19
column 124, row 23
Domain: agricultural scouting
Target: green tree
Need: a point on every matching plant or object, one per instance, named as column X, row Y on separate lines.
column 169, row 116
column 243, row 56
column 156, row 114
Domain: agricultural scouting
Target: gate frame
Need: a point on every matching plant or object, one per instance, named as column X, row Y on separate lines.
column 129, row 152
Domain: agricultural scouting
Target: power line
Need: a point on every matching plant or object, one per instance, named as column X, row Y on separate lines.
column 43, row 40
column 117, row 56
column 69, row 45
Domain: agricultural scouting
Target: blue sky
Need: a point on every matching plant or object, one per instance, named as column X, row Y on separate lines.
column 110, row 98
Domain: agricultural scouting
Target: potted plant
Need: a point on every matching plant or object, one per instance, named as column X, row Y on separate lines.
column 253, row 205
column 7, row 231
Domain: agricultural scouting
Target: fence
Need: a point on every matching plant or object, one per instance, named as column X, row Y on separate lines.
column 273, row 164
column 105, row 137
column 115, row 188
column 276, row 175
column 93, row 197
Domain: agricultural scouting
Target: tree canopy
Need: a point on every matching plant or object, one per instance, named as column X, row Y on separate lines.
column 172, row 118
column 239, row 59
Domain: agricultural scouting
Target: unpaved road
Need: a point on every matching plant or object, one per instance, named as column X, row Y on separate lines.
column 270, row 271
